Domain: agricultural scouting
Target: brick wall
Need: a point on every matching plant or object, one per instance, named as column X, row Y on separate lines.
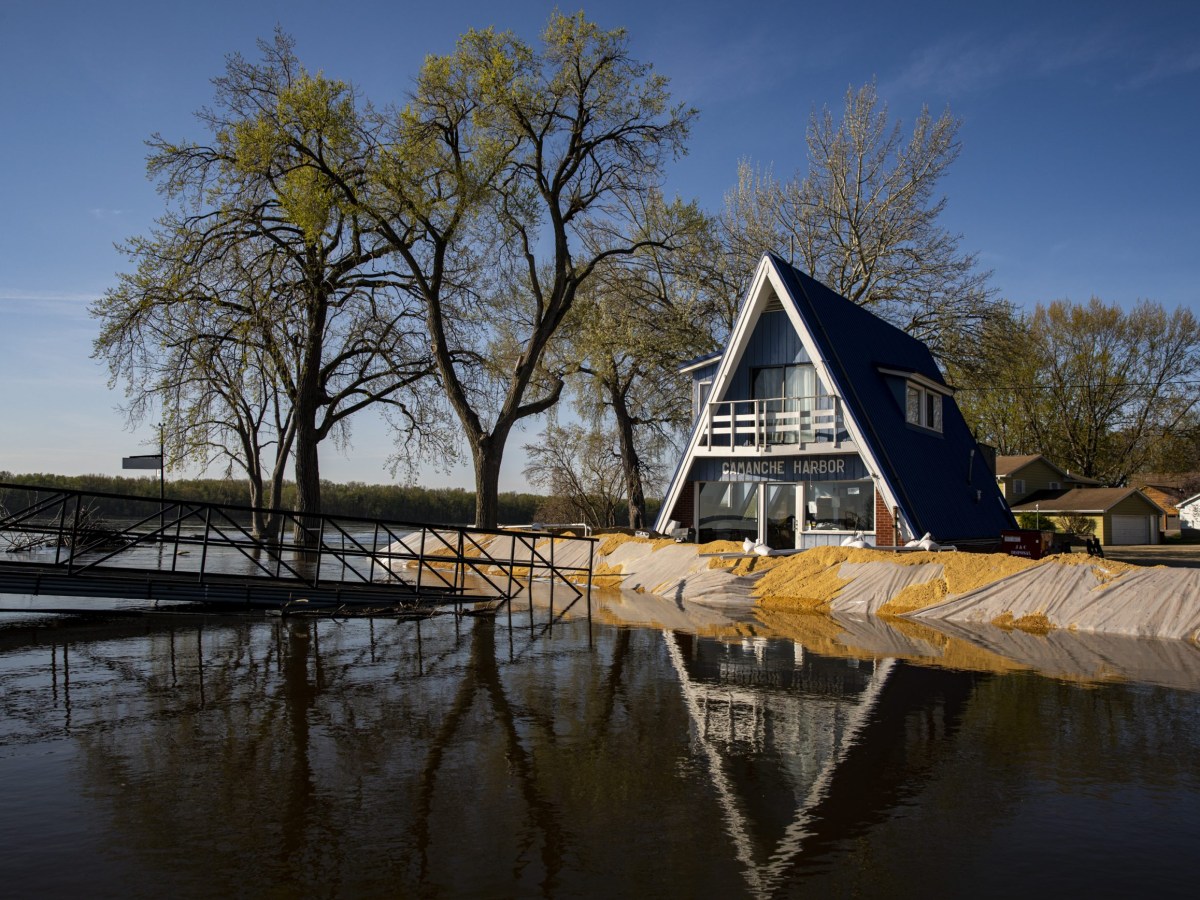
column 885, row 527
column 685, row 507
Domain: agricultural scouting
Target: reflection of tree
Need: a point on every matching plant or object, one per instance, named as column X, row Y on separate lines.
column 483, row 674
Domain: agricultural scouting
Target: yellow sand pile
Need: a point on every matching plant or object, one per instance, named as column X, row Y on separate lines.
column 813, row 579
column 809, row 580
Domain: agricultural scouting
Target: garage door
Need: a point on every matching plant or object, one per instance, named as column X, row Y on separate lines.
column 1131, row 529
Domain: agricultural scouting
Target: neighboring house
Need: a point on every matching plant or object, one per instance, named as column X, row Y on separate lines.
column 1166, row 498
column 1118, row 515
column 1189, row 514
column 1023, row 476
column 1168, row 490
column 820, row 419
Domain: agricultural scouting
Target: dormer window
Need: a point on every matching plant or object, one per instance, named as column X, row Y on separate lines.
column 923, row 407
column 923, row 397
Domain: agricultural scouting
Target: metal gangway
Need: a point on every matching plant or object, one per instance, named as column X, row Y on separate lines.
column 54, row 542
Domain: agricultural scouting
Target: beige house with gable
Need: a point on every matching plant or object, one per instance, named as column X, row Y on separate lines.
column 1033, row 484
column 1021, row 476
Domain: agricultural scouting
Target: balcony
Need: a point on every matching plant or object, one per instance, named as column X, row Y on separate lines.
column 786, row 425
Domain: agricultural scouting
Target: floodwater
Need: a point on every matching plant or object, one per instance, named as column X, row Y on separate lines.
column 191, row 756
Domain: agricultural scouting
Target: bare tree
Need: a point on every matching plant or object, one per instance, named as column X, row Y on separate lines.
column 583, row 467
column 633, row 326
column 864, row 219
column 1099, row 389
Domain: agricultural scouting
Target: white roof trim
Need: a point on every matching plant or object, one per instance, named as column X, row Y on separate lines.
column 700, row 363
column 924, row 380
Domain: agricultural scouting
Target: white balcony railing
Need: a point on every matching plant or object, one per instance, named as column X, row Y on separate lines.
column 781, row 422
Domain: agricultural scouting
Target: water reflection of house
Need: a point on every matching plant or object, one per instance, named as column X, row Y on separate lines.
column 820, row 419
column 771, row 717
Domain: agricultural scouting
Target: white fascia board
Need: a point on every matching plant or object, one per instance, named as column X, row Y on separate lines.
column 826, row 375
column 743, row 326
column 700, row 363
column 923, row 380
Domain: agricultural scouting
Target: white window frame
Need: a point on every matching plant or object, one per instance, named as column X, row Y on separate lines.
column 923, row 407
column 702, row 389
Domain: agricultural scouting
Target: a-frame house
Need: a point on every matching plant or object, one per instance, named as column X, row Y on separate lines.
column 820, row 419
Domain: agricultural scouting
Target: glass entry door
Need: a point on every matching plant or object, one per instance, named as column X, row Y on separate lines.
column 782, row 501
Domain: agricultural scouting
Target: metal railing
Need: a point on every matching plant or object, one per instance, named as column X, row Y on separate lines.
column 213, row 544
column 796, row 421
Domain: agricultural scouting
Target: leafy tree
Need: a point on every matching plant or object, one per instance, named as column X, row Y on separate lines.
column 268, row 188
column 1036, row 521
column 1099, row 389
column 167, row 333
column 488, row 181
column 864, row 220
column 633, row 327
column 1076, row 524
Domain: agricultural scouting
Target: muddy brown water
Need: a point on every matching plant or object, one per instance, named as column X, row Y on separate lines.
column 198, row 756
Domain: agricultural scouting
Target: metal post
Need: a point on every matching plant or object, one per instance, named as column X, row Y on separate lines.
column 591, row 567
column 204, row 547
column 532, row 545
column 162, row 475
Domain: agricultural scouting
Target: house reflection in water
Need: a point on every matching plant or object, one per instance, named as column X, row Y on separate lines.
column 797, row 745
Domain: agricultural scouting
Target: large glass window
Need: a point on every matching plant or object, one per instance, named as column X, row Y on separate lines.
column 839, row 506
column 789, row 397
column 727, row 511
column 772, row 382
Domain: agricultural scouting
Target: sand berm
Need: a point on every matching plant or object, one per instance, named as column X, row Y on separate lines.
column 1069, row 591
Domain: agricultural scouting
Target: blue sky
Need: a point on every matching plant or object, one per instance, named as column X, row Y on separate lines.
column 1078, row 175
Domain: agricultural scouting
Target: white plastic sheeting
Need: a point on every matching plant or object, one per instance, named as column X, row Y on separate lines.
column 1156, row 602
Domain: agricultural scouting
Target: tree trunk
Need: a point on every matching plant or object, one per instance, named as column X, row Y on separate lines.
column 630, row 461
column 257, row 524
column 487, row 453
column 306, row 531
column 272, row 523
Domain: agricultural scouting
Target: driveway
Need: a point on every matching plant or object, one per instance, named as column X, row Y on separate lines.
column 1178, row 555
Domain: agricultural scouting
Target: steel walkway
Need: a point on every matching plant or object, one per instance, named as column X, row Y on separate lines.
column 52, row 542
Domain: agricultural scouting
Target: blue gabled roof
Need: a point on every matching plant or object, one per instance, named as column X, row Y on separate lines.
column 935, row 477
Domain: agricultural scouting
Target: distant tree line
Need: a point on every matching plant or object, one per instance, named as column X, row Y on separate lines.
column 405, row 503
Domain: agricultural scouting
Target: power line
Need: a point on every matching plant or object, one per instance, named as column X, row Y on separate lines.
column 1018, row 388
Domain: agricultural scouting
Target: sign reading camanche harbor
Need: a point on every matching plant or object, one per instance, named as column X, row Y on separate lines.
column 806, row 468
